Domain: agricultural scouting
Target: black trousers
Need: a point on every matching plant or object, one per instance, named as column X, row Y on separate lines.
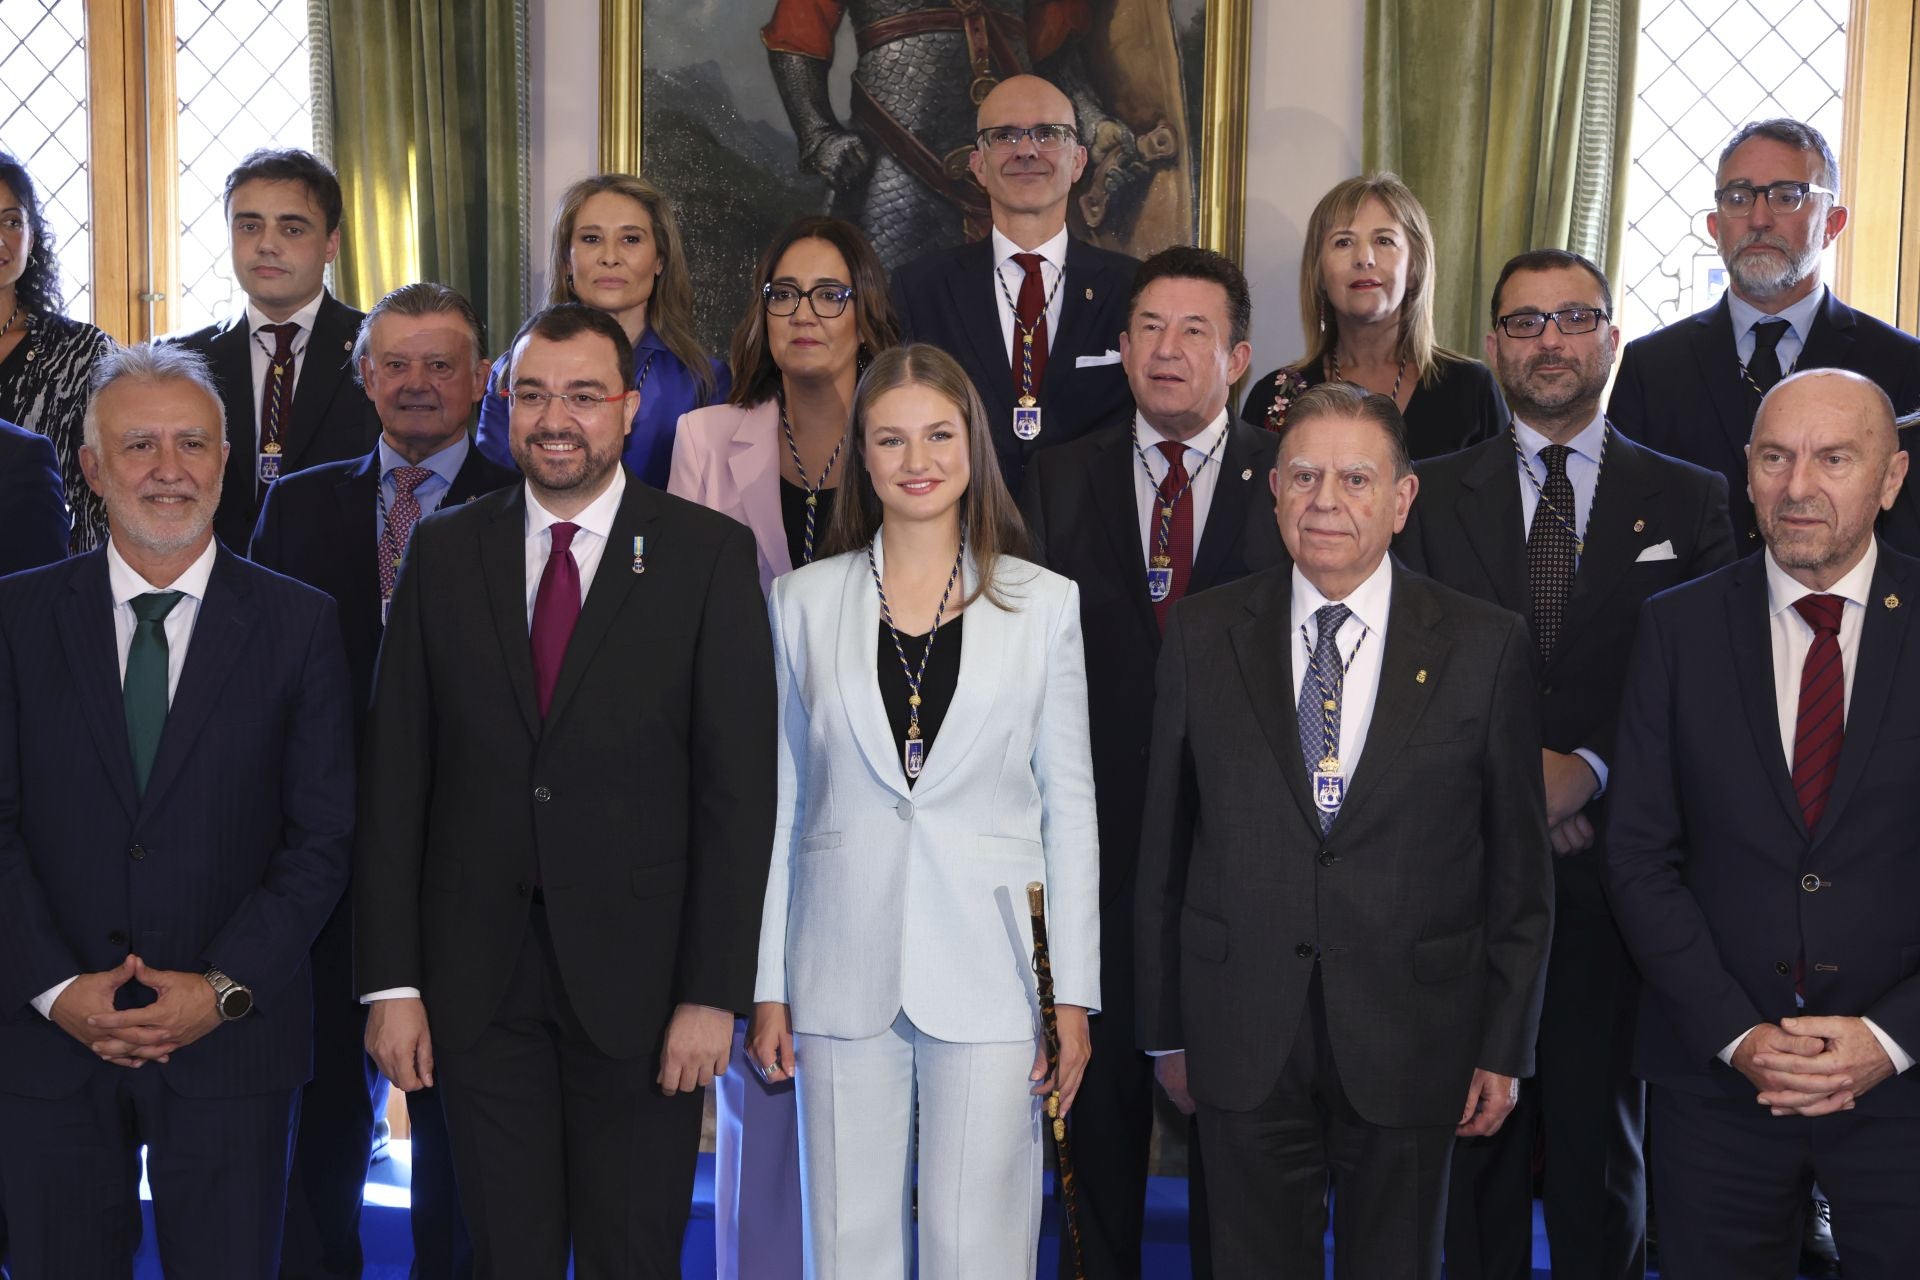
column 217, row 1166
column 559, row 1147
column 1731, row 1181
column 1268, row 1172
column 442, row 1248
column 1587, row 1102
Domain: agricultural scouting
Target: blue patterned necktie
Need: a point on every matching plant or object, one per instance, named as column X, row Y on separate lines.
column 1319, row 708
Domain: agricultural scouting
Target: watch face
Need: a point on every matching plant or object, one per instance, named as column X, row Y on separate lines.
column 235, row 1003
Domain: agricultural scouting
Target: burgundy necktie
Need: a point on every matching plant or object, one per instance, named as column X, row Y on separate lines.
column 1180, row 534
column 276, row 392
column 1031, row 311
column 401, row 517
column 1820, row 726
column 556, row 607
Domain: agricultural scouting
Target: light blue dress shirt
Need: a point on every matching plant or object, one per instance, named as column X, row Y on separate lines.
column 1799, row 318
column 445, row 465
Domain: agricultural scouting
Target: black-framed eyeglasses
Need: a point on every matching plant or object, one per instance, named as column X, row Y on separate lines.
column 1046, row 137
column 827, row 300
column 1736, row 199
column 1569, row 321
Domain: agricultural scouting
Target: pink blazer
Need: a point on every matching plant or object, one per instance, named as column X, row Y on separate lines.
column 727, row 459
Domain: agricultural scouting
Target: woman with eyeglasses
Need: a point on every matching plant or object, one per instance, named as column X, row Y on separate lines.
column 1366, row 303
column 933, row 762
column 46, row 360
column 617, row 248
column 771, row 456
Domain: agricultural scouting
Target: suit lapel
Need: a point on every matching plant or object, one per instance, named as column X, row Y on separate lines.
column 1829, row 343
column 1079, row 301
column 1627, row 489
column 232, row 363
column 753, row 460
column 982, row 652
column 357, row 493
column 503, row 566
column 85, row 619
column 1233, row 494
column 476, row 478
column 1413, row 643
column 1263, row 647
column 321, row 372
column 1719, row 361
column 970, row 296
column 1111, row 477
column 612, row 583
column 1749, row 630
column 1491, row 515
column 1883, row 638
column 225, row 623
column 859, row 682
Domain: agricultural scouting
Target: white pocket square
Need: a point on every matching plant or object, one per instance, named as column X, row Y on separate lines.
column 1658, row 551
column 1090, row 362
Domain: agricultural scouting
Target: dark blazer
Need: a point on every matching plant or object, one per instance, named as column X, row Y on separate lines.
column 1467, row 530
column 644, row 801
column 34, row 525
column 332, row 417
column 1084, row 519
column 949, row 298
column 317, row 526
column 1679, row 389
column 234, row 856
column 1462, row 407
column 1708, row 856
column 1900, row 523
column 1429, row 903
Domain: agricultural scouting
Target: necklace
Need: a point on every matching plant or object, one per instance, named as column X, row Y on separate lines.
column 913, row 752
column 813, row 487
column 1566, row 518
column 1333, row 372
column 1160, row 565
column 1026, row 334
column 7, row 328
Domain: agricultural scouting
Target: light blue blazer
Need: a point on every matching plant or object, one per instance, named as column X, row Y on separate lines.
column 883, row 899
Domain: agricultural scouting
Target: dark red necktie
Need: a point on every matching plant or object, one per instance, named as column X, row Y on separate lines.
column 401, row 517
column 1173, row 493
column 1820, row 727
column 276, row 392
column 556, row 607
column 1031, row 313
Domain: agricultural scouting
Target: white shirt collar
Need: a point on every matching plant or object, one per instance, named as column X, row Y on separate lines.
column 126, row 582
column 1369, row 601
column 596, row 518
column 1054, row 250
column 1783, row 591
column 1205, row 440
column 303, row 317
column 1799, row 315
column 1586, row 444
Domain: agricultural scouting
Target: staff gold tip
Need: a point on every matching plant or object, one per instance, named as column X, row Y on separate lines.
column 1036, row 897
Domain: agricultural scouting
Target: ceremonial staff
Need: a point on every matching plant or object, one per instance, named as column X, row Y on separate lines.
column 1050, row 1025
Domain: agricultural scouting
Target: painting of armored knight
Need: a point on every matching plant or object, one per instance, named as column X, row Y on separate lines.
column 865, row 109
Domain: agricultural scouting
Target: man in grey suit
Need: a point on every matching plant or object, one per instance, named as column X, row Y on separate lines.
column 1342, row 912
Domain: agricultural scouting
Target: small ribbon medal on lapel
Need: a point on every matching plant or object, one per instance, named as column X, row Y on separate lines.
column 640, row 555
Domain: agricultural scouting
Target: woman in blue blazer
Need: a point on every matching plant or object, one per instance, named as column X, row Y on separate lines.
column 933, row 761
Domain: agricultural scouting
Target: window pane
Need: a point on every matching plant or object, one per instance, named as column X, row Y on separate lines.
column 242, row 75
column 43, row 124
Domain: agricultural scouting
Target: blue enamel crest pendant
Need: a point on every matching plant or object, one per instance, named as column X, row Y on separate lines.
column 1329, row 789
column 1026, row 421
column 1159, row 583
column 916, row 756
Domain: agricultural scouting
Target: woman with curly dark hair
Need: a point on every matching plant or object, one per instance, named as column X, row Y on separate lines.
column 46, row 360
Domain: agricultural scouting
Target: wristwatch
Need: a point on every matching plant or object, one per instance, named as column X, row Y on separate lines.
column 232, row 1000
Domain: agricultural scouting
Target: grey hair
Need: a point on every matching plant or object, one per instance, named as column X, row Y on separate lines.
column 148, row 362
column 1792, row 133
column 423, row 298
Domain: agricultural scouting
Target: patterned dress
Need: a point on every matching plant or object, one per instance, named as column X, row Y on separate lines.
column 43, row 387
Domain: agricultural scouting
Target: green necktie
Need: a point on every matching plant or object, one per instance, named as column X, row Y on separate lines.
column 145, row 692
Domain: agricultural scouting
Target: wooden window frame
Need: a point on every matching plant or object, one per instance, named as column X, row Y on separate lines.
column 1878, row 256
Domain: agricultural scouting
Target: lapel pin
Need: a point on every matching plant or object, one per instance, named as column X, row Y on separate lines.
column 1247, row 474
column 1420, row 676
column 640, row 555
column 1639, row 526
column 347, row 345
column 1892, row 601
column 1089, row 295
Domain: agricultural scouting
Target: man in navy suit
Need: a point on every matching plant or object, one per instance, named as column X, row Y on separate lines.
column 176, row 807
column 1033, row 315
column 342, row 527
column 1690, row 389
column 33, row 506
column 1763, row 860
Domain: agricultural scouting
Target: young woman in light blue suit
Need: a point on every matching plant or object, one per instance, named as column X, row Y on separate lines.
column 933, row 762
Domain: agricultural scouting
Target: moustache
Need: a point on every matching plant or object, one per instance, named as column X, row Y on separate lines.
column 1763, row 238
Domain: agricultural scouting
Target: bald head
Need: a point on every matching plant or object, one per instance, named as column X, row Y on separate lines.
column 1823, row 462
column 1024, row 95
column 1027, row 185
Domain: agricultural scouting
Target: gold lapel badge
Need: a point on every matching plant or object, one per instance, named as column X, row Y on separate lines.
column 1420, row 676
column 1247, row 474
column 1089, row 295
column 1892, row 601
column 1639, row 526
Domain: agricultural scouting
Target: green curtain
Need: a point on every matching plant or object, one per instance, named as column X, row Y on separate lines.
column 426, row 110
column 1509, row 119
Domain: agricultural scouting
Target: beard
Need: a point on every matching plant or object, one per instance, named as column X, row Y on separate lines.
column 1768, row 275
column 131, row 518
column 584, row 468
column 1535, row 400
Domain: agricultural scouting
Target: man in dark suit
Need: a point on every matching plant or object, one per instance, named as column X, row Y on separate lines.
column 342, row 527
column 1342, row 913
column 284, row 364
column 176, row 780
column 1033, row 315
column 1097, row 508
column 1570, row 524
column 566, row 823
column 1763, row 863
column 33, row 507
column 1690, row 390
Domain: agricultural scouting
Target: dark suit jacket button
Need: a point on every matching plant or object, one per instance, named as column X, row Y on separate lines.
column 1782, row 968
column 1327, row 859
column 1810, row 882
column 1304, row 951
column 137, row 852
column 543, row 794
column 117, row 938
column 524, row 888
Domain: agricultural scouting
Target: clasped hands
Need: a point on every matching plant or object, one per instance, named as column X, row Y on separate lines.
column 185, row 1011
column 1812, row 1066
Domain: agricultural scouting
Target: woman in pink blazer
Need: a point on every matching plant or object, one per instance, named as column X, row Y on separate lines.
column 771, row 458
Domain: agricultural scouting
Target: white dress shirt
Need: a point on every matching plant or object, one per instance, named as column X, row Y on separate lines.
column 125, row 582
column 1799, row 318
column 1792, row 636
column 1206, row 446
column 260, row 345
column 594, row 526
column 1053, row 268
column 1361, row 641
